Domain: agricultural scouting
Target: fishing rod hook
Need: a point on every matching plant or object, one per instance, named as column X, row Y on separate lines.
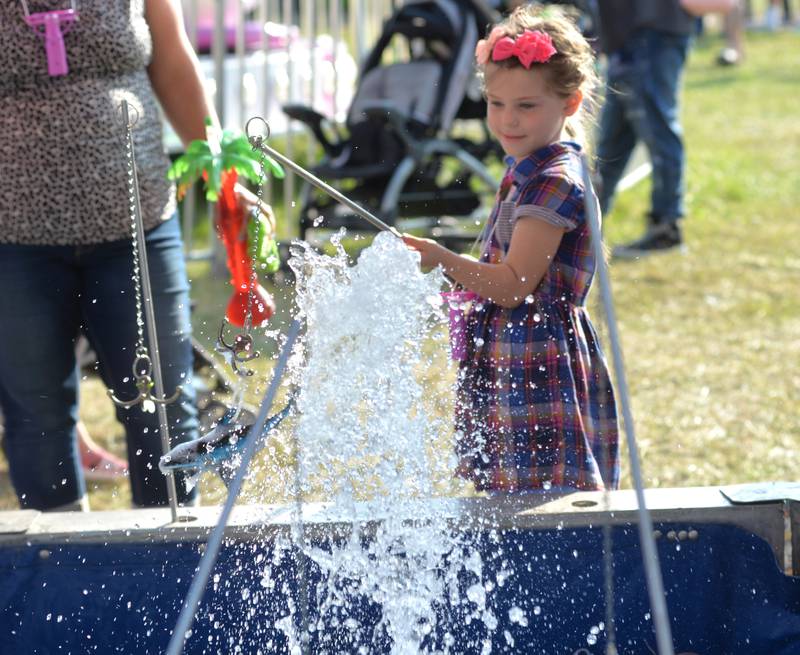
column 239, row 351
column 143, row 380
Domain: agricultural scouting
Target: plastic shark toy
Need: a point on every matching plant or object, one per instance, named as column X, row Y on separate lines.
column 218, row 450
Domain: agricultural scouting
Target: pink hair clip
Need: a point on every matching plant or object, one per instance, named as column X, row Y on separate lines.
column 532, row 46
column 485, row 46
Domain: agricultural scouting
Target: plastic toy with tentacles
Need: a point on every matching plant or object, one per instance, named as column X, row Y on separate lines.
column 221, row 161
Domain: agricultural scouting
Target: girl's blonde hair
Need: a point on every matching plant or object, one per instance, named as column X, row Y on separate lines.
column 572, row 68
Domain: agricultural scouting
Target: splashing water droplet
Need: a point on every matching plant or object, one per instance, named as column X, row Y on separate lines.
column 517, row 615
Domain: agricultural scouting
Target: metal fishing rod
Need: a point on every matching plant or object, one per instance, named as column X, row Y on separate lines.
column 209, row 558
column 258, row 142
column 655, row 582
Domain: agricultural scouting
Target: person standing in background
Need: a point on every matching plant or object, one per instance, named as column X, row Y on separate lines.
column 646, row 42
column 733, row 28
column 65, row 231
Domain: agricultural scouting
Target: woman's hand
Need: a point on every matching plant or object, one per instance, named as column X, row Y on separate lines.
column 248, row 201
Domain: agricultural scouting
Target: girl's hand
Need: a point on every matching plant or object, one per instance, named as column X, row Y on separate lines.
column 248, row 201
column 430, row 251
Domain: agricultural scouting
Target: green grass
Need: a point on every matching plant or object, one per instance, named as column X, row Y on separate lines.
column 711, row 338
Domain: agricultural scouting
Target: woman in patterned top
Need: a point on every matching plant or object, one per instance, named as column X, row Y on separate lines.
column 65, row 230
column 535, row 406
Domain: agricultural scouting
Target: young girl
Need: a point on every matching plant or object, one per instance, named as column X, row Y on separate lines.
column 535, row 405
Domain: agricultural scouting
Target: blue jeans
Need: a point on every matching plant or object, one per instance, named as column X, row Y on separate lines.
column 642, row 105
column 48, row 294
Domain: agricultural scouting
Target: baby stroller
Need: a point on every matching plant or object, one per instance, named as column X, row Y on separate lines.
column 400, row 157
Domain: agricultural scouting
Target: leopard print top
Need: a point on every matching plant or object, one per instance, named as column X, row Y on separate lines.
column 62, row 155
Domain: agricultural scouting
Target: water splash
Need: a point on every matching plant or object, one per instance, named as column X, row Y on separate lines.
column 362, row 435
column 360, row 429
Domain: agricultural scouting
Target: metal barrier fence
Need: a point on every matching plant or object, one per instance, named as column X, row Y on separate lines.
column 258, row 55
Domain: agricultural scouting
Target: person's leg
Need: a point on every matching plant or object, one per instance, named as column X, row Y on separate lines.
column 772, row 19
column 38, row 375
column 109, row 305
column 733, row 52
column 664, row 56
column 788, row 14
column 96, row 461
column 616, row 138
column 659, row 62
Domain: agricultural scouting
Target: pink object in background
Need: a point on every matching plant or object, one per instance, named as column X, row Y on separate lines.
column 48, row 24
column 253, row 36
column 458, row 303
column 277, row 35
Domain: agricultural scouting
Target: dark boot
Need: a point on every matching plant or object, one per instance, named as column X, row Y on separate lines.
column 660, row 237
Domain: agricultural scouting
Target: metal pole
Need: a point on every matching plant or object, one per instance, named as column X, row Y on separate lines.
column 240, row 57
column 309, row 29
column 288, row 182
column 299, row 536
column 264, row 14
column 219, row 48
column 336, row 33
column 655, row 583
column 257, row 141
column 189, row 208
column 150, row 320
column 209, row 558
column 356, row 9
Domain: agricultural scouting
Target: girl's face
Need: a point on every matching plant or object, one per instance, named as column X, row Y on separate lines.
column 523, row 112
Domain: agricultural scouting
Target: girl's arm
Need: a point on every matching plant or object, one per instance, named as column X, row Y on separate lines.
column 533, row 246
column 174, row 71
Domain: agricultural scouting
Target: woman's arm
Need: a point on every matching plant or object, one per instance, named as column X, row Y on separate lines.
column 533, row 246
column 175, row 73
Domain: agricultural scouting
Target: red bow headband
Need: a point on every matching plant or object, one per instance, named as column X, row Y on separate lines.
column 532, row 46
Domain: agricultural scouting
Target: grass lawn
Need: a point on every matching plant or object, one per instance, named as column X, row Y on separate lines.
column 711, row 338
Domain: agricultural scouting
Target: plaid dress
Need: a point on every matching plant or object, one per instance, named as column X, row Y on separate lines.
column 535, row 407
